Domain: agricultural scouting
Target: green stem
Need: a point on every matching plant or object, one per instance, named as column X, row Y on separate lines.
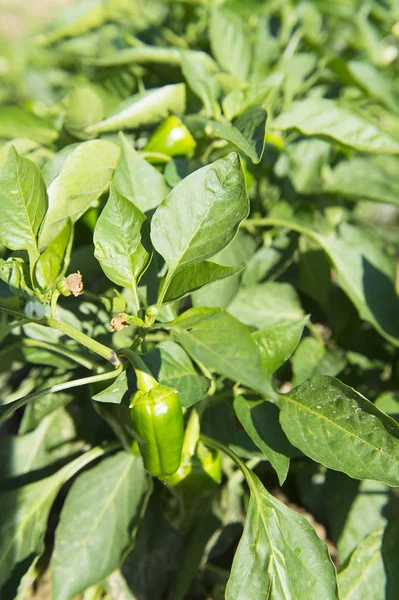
column 53, row 304
column 272, row 222
column 85, row 340
column 145, row 379
column 156, row 156
column 240, row 464
column 59, row 387
column 13, row 312
column 57, row 349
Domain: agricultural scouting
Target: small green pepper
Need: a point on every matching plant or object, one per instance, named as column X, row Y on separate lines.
column 172, row 138
column 157, row 420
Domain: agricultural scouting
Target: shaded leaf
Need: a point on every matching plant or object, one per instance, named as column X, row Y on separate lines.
column 260, row 420
column 95, row 527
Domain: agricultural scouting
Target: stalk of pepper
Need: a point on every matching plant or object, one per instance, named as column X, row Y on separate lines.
column 157, row 420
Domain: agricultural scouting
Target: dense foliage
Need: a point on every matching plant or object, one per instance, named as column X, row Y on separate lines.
column 203, row 195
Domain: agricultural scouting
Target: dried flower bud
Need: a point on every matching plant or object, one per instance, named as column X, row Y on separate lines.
column 117, row 323
column 73, row 284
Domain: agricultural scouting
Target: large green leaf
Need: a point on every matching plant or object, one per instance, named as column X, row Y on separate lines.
column 327, row 118
column 339, row 428
column 196, row 276
column 266, row 304
column 140, row 55
column 201, row 214
column 260, row 421
column 276, row 343
column 23, row 203
column 280, row 556
column 84, row 177
column 122, row 241
column 223, row 344
column 95, row 528
column 365, row 179
column 171, row 366
column 145, row 108
column 137, row 180
column 16, row 122
column 24, row 516
column 230, row 42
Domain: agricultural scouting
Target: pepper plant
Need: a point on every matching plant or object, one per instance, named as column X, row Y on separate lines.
column 199, row 315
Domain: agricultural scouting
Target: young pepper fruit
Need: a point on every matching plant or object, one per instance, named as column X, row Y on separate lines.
column 172, row 138
column 157, row 420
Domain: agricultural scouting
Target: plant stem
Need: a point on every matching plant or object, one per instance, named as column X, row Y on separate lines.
column 272, row 222
column 145, row 380
column 59, row 387
column 53, row 304
column 57, row 349
column 85, row 340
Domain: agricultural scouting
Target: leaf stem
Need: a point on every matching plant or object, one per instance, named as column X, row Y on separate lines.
column 270, row 222
column 85, row 340
column 53, row 304
column 145, row 379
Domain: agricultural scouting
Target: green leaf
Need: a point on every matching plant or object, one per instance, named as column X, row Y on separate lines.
column 140, row 55
column 374, row 82
column 171, row 366
column 122, row 241
column 95, row 528
column 279, row 555
column 84, row 107
column 365, row 179
column 366, row 274
column 222, row 292
column 145, row 108
column 221, row 343
column 260, row 421
column 266, row 304
column 196, row 276
column 326, row 118
column 54, row 261
column 16, row 122
column 25, row 512
column 201, row 214
column 276, row 343
column 302, row 162
column 137, row 180
column 312, row 358
column 353, row 509
column 84, row 177
column 23, row 203
column 247, row 132
column 199, row 70
column 363, row 575
column 230, row 42
column 339, row 428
